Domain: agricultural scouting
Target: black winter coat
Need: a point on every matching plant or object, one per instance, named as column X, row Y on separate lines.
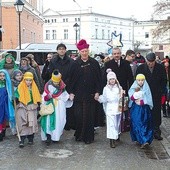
column 65, row 66
column 123, row 72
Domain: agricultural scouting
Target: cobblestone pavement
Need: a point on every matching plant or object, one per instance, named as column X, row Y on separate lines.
column 71, row 155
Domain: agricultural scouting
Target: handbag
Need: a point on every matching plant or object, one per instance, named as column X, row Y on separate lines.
column 46, row 109
column 123, row 103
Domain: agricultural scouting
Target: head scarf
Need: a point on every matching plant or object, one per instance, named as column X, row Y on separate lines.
column 146, row 93
column 3, row 62
column 23, row 90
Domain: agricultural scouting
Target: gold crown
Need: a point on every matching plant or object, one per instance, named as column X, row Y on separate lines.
column 28, row 75
column 56, row 78
column 140, row 77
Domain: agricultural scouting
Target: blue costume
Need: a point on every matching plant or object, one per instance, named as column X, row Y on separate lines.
column 141, row 119
column 6, row 106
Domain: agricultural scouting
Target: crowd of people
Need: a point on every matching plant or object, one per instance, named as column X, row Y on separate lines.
column 83, row 94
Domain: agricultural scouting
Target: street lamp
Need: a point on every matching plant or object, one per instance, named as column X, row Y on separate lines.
column 76, row 27
column 19, row 8
column 80, row 17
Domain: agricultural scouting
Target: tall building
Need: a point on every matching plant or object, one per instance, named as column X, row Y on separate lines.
column 97, row 29
column 31, row 23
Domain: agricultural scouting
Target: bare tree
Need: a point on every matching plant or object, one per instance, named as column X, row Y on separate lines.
column 137, row 44
column 161, row 8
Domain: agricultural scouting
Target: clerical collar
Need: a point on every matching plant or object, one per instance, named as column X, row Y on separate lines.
column 61, row 56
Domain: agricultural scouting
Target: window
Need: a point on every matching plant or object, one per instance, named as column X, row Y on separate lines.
column 47, row 36
column 108, row 34
column 65, row 19
column 65, row 34
column 54, row 36
column 146, row 35
column 96, row 33
column 160, row 47
column 103, row 36
column 96, row 19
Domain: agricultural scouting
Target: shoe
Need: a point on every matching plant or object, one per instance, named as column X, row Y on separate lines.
column 112, row 143
column 48, row 141
column 1, row 137
column 78, row 139
column 158, row 137
column 88, row 142
column 30, row 142
column 21, row 144
column 145, row 145
column 3, row 133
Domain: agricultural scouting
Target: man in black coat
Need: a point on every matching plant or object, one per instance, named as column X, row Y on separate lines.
column 121, row 68
column 66, row 66
column 156, row 77
column 45, row 75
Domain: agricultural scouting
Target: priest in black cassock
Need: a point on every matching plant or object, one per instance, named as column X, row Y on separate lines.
column 85, row 87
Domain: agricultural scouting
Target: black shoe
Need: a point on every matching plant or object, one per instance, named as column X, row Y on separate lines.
column 78, row 139
column 1, row 137
column 112, row 143
column 87, row 142
column 158, row 137
column 48, row 141
column 3, row 133
column 30, row 139
column 21, row 144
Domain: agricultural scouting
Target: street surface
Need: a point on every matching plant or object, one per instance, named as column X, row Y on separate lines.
column 71, row 155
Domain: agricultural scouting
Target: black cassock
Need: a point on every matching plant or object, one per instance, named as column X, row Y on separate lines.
column 85, row 82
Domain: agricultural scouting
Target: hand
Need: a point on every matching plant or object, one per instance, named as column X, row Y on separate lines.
column 49, row 95
column 137, row 102
column 71, row 96
column 96, row 96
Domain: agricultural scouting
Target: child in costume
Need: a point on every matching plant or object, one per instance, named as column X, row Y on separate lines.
column 54, row 92
column 140, row 111
column 16, row 78
column 112, row 93
column 6, row 107
column 29, row 98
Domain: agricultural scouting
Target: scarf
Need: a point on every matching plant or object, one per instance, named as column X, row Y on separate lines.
column 24, row 94
column 57, row 93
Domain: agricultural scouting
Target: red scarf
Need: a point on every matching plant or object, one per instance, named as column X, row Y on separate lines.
column 60, row 90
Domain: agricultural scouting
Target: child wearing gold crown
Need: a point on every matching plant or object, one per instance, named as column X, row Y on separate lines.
column 28, row 100
column 140, row 111
column 54, row 92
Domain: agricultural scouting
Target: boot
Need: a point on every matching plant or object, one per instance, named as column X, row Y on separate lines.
column 1, row 137
column 112, row 143
column 48, row 141
column 3, row 133
column 21, row 143
column 30, row 139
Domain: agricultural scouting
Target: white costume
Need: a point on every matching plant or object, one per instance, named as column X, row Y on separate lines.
column 110, row 99
column 61, row 103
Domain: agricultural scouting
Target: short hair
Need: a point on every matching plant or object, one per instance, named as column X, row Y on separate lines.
column 129, row 52
column 61, row 45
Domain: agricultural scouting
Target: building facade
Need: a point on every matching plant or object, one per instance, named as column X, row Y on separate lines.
column 31, row 23
column 97, row 29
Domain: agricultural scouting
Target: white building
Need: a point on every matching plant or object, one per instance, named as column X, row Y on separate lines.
column 143, row 37
column 96, row 28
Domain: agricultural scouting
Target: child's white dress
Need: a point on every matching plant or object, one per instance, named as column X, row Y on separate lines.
column 110, row 99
